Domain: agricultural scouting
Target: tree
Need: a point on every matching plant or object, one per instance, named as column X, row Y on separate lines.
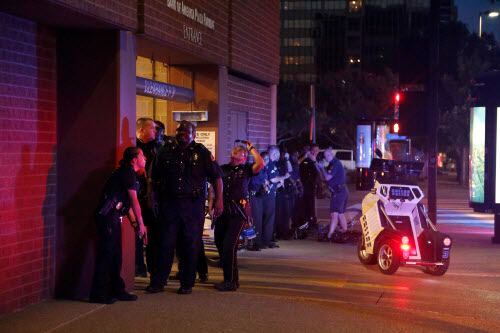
column 463, row 56
column 342, row 99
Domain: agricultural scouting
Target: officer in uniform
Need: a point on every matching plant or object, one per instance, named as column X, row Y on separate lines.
column 284, row 199
column 180, row 173
column 276, row 175
column 119, row 195
column 236, row 176
column 334, row 175
column 146, row 133
column 309, row 176
column 257, row 189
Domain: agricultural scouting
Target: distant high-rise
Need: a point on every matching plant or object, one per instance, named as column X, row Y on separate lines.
column 329, row 35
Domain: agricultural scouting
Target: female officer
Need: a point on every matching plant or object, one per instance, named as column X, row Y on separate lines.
column 235, row 177
column 118, row 198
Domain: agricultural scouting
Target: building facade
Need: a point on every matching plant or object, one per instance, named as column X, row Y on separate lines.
column 75, row 76
column 324, row 36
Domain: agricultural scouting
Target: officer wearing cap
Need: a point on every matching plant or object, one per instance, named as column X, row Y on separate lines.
column 236, row 176
column 179, row 176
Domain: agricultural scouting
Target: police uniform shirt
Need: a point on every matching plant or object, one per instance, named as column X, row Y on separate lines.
column 235, row 179
column 150, row 150
column 336, row 170
column 274, row 169
column 183, row 172
column 308, row 172
column 123, row 179
column 257, row 181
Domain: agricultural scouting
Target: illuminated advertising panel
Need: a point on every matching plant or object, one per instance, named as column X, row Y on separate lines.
column 363, row 146
column 497, row 157
column 381, row 141
column 477, row 154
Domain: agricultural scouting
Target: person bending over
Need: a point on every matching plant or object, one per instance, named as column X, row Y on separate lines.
column 119, row 198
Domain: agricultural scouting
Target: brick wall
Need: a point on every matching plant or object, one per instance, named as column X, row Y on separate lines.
column 254, row 100
column 161, row 22
column 254, row 38
column 27, row 170
column 119, row 12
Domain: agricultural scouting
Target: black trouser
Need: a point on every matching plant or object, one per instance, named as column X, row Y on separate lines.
column 297, row 211
column 309, row 200
column 283, row 214
column 201, row 266
column 140, row 266
column 107, row 281
column 181, row 222
column 152, row 247
column 227, row 232
column 268, row 216
column 257, row 206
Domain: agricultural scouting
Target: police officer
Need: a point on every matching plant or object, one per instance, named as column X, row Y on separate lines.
column 334, row 174
column 284, row 198
column 258, row 189
column 276, row 175
column 146, row 134
column 179, row 177
column 309, row 177
column 236, row 176
column 119, row 195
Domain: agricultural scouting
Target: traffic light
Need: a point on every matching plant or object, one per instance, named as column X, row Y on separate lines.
column 397, row 99
column 395, row 127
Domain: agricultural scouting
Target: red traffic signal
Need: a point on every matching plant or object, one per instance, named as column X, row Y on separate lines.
column 397, row 97
column 395, row 127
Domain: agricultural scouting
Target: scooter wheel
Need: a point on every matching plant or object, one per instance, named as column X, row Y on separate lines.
column 388, row 258
column 364, row 257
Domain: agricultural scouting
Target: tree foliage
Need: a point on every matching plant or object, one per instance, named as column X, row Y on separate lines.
column 463, row 56
column 342, row 100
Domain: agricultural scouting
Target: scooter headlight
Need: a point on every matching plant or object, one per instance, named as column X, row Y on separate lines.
column 447, row 241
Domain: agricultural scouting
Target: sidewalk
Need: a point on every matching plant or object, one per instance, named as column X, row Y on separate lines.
column 207, row 310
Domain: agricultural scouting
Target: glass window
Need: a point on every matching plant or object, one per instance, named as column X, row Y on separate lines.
column 144, row 67
column 355, row 5
column 144, row 106
column 161, row 72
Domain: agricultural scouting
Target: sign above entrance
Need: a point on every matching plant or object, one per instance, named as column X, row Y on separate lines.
column 190, row 115
column 191, row 13
column 163, row 90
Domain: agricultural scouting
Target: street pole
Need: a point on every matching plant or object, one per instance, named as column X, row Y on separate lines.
column 312, row 105
column 480, row 25
column 433, row 111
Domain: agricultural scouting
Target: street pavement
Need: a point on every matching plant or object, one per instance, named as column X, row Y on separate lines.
column 311, row 286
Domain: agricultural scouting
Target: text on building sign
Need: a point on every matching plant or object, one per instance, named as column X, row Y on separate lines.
column 191, row 13
column 158, row 89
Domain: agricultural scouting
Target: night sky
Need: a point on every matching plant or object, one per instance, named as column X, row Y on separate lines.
column 468, row 12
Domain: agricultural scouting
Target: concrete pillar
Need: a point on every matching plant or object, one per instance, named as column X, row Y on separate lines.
column 125, row 136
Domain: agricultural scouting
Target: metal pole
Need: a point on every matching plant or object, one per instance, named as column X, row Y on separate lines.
column 433, row 111
column 480, row 25
column 312, row 105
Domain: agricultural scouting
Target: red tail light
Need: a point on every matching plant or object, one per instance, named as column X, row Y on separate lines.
column 405, row 244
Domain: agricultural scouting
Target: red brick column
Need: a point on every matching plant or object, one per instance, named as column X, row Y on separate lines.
column 27, row 162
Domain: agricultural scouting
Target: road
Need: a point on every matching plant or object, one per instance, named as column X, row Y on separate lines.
column 310, row 286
